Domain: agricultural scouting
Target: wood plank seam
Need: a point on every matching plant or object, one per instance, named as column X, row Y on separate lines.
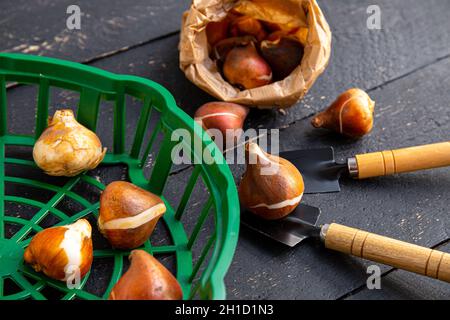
column 129, row 48
column 111, row 53
column 407, row 74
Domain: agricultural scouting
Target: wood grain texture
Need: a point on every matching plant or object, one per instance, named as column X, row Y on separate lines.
column 403, row 285
column 411, row 207
column 411, row 159
column 388, row 251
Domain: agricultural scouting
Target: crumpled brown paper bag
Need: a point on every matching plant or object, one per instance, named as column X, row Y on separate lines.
column 202, row 71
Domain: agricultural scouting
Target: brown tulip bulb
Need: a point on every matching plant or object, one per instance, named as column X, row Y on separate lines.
column 146, row 279
column 283, row 54
column 224, row 47
column 247, row 26
column 271, row 187
column 350, row 115
column 217, row 31
column 62, row 253
column 128, row 214
column 245, row 68
column 66, row 148
column 226, row 117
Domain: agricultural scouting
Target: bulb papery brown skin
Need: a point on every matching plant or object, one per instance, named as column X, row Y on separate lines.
column 301, row 34
column 62, row 253
column 350, row 115
column 226, row 117
column 146, row 279
column 283, row 53
column 271, row 187
column 247, row 26
column 128, row 214
column 271, row 26
column 217, row 31
column 67, row 148
column 245, row 68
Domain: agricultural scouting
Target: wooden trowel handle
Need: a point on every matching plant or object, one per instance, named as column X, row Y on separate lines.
column 403, row 160
column 398, row 254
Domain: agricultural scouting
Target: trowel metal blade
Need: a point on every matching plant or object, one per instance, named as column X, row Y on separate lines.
column 318, row 167
column 298, row 226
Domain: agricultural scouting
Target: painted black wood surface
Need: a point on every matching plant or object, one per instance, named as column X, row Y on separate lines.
column 405, row 67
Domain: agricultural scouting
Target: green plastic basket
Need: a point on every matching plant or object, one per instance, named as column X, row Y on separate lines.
column 200, row 275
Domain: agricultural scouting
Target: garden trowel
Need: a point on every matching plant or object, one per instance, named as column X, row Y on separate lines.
column 302, row 224
column 321, row 172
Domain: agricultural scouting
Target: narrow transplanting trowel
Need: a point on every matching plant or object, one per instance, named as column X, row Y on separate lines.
column 302, row 224
column 321, row 172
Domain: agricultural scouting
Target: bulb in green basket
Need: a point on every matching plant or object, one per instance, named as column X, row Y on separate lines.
column 66, row 148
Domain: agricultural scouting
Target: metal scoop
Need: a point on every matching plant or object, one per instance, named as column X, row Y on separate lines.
column 302, row 224
column 321, row 172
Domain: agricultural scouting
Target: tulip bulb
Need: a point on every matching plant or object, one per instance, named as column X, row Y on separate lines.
column 226, row 117
column 271, row 187
column 283, row 53
column 62, row 252
column 128, row 214
column 66, row 148
column 245, row 68
column 350, row 115
column 146, row 279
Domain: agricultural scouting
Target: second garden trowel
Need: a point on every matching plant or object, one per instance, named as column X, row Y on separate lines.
column 321, row 172
column 302, row 224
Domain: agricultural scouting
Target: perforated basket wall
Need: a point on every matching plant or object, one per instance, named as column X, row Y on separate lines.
column 200, row 237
